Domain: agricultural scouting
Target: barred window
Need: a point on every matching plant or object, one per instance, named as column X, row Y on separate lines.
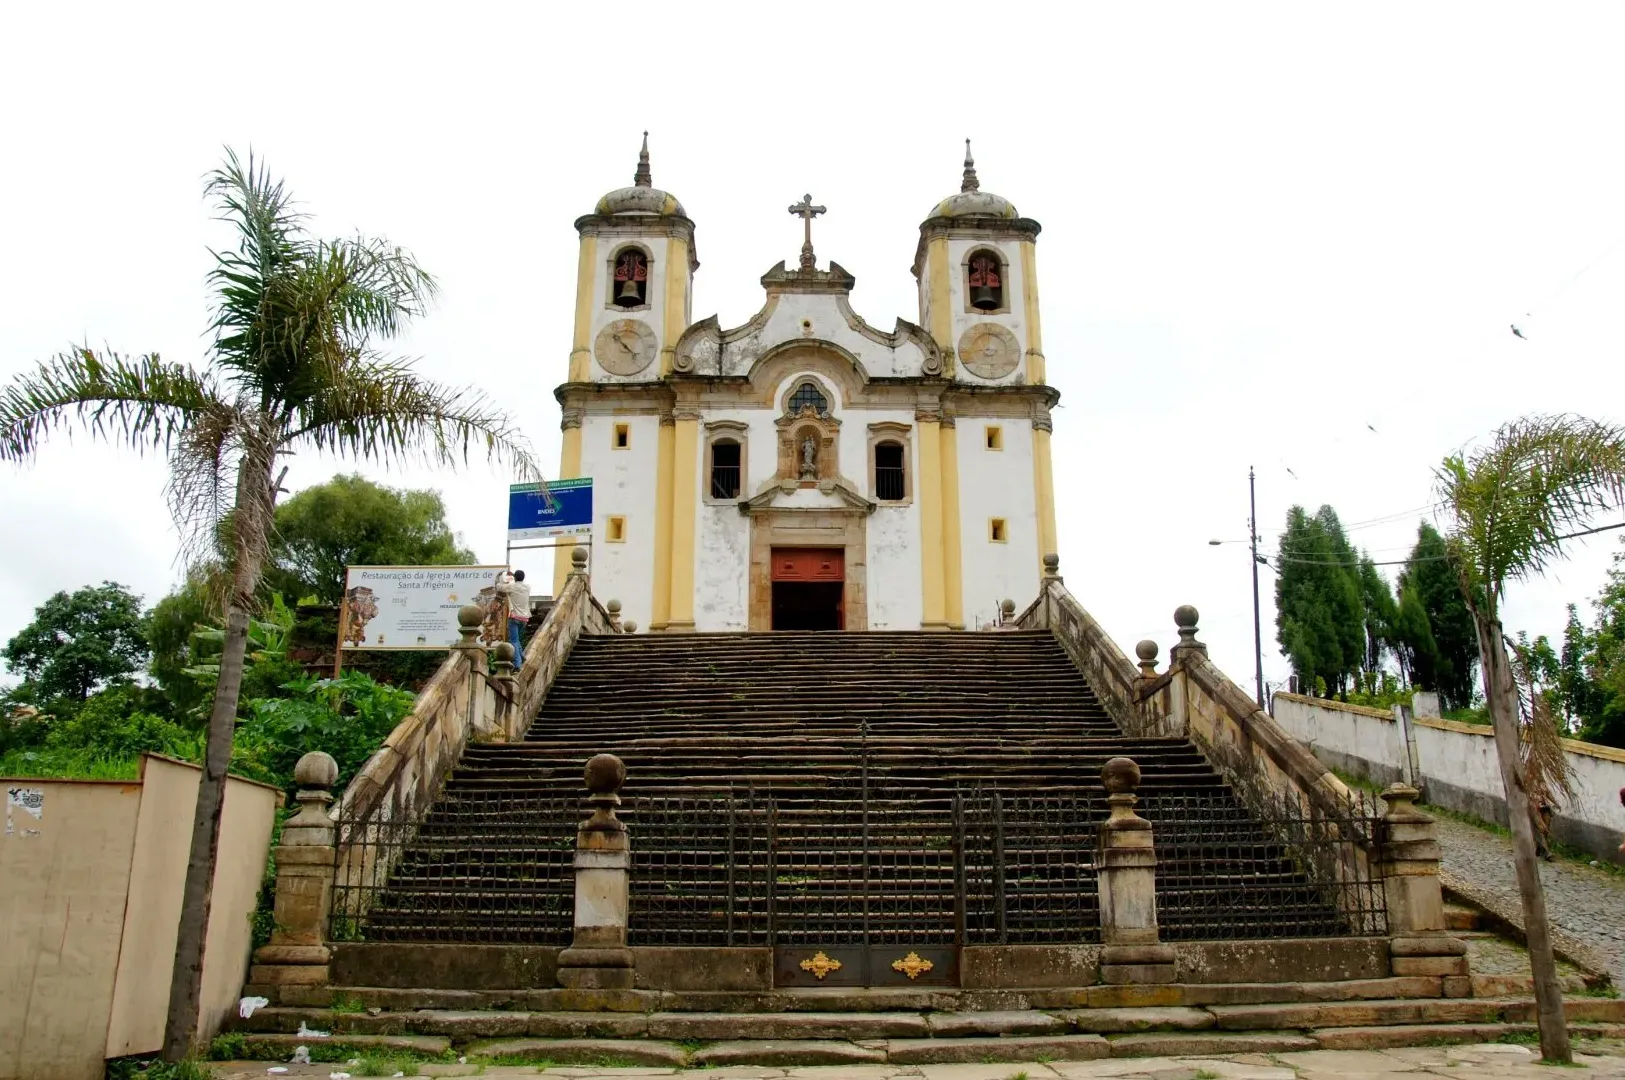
column 808, row 394
column 889, row 471
column 725, row 465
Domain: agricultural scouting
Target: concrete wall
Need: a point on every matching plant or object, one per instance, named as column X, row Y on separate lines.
column 91, row 874
column 1459, row 769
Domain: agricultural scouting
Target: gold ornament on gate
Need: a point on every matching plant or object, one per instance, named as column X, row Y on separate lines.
column 912, row 966
column 821, row 965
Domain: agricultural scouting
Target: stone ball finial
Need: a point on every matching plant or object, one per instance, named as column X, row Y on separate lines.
column 1052, row 564
column 605, row 774
column 613, row 607
column 316, row 771
column 502, row 652
column 629, row 627
column 1007, row 606
column 1146, row 651
column 1120, row 775
column 470, row 615
column 578, row 557
column 1185, row 616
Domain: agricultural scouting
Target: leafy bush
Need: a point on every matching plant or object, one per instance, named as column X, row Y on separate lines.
column 348, row 717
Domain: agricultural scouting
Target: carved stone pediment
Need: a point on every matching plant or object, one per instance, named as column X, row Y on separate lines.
column 837, row 498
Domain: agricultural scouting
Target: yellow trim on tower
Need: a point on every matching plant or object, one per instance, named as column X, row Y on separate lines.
column 676, row 301
column 569, row 468
column 1044, row 496
column 586, row 286
column 1035, row 335
column 660, row 603
column 952, row 559
column 684, row 495
column 933, row 609
column 941, row 315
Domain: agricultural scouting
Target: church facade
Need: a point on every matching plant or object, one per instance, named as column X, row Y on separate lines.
column 807, row 470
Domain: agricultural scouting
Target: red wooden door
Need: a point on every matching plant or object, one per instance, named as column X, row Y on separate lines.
column 809, row 564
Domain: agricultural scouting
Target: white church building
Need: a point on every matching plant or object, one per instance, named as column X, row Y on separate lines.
column 807, row 470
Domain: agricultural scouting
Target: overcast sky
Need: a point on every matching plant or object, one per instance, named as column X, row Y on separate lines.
column 1288, row 235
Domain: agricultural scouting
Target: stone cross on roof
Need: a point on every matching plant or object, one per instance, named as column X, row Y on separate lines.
column 806, row 211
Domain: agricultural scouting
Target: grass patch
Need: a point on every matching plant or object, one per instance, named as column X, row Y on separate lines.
column 381, row 1065
column 348, row 1005
column 693, row 1046
column 149, row 1069
column 1022, row 1075
column 1519, row 1038
column 1360, row 782
column 1206, row 1074
column 228, row 1046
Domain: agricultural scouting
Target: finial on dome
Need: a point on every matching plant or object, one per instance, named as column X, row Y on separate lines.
column 643, row 178
column 970, row 183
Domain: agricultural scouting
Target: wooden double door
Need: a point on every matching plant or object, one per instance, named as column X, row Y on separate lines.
column 809, row 588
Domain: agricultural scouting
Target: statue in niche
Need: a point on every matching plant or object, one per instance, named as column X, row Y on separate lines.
column 809, row 458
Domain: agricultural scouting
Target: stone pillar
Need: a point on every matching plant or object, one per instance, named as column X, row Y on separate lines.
column 507, row 689
column 1179, row 691
column 1418, row 942
column 598, row 957
column 470, row 621
column 613, row 610
column 296, row 954
column 1127, row 862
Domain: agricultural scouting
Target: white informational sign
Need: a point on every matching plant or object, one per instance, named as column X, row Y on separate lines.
column 415, row 607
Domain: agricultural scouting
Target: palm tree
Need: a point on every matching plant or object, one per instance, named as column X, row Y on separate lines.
column 293, row 365
column 1514, row 502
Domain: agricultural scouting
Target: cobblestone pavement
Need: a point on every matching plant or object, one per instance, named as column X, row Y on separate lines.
column 1491, row 1061
column 1587, row 904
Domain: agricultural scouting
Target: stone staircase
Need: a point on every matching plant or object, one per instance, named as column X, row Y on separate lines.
column 779, row 783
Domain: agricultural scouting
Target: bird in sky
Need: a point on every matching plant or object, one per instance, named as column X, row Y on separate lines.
column 1518, row 332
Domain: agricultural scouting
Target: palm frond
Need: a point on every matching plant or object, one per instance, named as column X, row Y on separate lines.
column 1547, row 775
column 1514, row 500
column 382, row 411
column 138, row 401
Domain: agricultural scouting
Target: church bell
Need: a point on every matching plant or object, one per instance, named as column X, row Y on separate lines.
column 983, row 298
column 628, row 295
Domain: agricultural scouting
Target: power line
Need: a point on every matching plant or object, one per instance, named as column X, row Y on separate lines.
column 1427, row 558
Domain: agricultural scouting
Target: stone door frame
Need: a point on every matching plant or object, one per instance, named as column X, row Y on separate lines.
column 824, row 527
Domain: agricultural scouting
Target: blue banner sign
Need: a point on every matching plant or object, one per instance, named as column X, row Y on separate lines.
column 557, row 508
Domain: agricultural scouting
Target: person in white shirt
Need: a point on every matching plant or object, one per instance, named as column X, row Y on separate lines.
column 518, row 596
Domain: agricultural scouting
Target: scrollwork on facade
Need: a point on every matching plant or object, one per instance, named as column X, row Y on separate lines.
column 570, row 417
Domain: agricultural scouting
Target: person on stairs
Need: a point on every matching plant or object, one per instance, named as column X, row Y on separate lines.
column 518, row 597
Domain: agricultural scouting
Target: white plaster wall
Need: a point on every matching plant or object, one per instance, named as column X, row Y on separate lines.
column 623, row 485
column 1015, row 320
column 722, row 540
column 819, row 317
column 1465, row 760
column 996, row 483
column 604, row 312
column 895, row 602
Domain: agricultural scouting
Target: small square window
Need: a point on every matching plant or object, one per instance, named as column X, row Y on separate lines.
column 996, row 532
column 995, row 437
column 623, row 436
column 615, row 531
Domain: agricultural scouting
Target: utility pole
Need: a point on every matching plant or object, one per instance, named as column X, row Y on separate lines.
column 1258, row 626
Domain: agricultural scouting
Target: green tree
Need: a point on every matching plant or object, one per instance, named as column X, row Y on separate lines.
column 351, row 521
column 1320, row 619
column 1512, row 503
column 80, row 641
column 1602, row 704
column 293, row 365
column 1381, row 615
column 1445, row 665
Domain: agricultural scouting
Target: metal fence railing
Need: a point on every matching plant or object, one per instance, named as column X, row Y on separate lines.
column 878, row 866
column 1296, row 870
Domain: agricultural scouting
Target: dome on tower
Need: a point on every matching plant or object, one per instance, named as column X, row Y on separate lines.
column 642, row 197
column 972, row 201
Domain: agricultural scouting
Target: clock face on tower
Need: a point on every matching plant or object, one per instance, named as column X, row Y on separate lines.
column 625, row 347
column 989, row 350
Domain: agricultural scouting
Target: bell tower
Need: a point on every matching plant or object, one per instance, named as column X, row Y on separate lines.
column 633, row 283
column 978, row 278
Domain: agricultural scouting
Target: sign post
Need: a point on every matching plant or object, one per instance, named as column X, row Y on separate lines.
column 545, row 512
